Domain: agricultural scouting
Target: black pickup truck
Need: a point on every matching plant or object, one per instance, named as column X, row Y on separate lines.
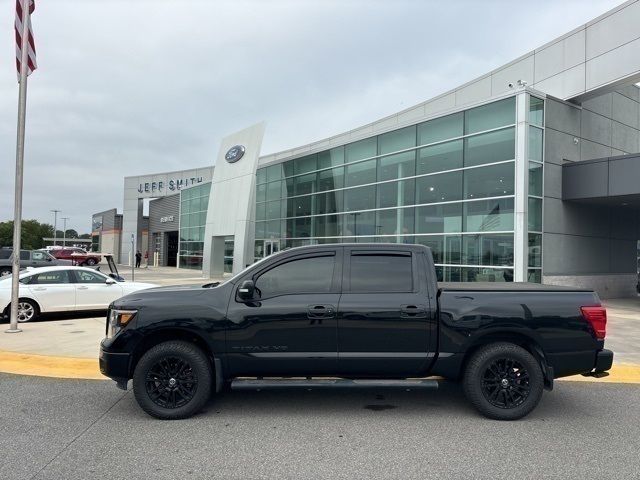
column 352, row 315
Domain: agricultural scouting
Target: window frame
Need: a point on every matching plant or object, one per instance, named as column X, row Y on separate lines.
column 335, row 286
column 357, row 251
column 76, row 277
column 44, row 256
column 70, row 277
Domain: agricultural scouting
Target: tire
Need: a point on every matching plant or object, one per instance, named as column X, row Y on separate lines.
column 503, row 381
column 27, row 310
column 90, row 261
column 177, row 395
column 4, row 272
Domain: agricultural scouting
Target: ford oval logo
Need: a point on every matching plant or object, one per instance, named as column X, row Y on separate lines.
column 234, row 154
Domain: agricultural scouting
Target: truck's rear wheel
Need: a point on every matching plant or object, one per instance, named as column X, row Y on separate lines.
column 172, row 380
column 503, row 381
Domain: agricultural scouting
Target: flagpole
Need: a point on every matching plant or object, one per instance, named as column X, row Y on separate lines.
column 17, row 214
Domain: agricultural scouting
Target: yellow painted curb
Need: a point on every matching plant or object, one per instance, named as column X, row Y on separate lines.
column 48, row 366
column 622, row 373
column 88, row 368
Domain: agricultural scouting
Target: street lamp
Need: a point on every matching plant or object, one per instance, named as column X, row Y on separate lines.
column 55, row 225
column 64, row 231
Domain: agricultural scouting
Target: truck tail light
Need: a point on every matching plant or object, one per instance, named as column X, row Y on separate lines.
column 597, row 317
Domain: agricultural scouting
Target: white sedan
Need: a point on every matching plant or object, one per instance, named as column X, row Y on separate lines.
column 64, row 289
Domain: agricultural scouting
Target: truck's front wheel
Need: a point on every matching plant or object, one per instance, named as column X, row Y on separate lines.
column 172, row 380
column 503, row 381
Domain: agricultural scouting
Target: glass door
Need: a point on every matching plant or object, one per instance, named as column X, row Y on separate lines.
column 271, row 247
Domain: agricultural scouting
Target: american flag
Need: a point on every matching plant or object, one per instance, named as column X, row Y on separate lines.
column 31, row 63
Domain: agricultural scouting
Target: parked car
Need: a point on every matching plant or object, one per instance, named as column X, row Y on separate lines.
column 372, row 314
column 60, row 289
column 77, row 255
column 28, row 258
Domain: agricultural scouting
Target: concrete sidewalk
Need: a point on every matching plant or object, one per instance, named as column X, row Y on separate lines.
column 162, row 275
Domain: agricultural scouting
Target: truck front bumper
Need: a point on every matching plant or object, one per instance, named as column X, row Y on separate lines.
column 114, row 365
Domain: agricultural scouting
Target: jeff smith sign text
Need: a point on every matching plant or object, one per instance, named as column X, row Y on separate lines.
column 172, row 185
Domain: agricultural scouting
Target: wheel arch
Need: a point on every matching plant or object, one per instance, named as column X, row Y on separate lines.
column 528, row 342
column 167, row 334
column 24, row 297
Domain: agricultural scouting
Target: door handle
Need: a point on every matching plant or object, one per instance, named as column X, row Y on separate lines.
column 83, row 288
column 39, row 289
column 321, row 311
column 413, row 311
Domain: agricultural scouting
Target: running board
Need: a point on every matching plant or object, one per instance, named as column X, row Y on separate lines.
column 326, row 384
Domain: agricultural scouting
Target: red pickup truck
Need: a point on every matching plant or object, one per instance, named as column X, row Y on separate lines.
column 77, row 255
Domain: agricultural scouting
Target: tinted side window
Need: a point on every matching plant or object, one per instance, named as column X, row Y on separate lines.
column 4, row 253
column 24, row 255
column 307, row 275
column 89, row 277
column 381, row 273
column 55, row 277
column 40, row 256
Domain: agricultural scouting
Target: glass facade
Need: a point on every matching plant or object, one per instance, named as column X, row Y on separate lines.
column 448, row 183
column 193, row 218
column 535, row 190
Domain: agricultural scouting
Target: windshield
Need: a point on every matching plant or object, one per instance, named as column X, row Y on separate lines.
column 233, row 279
column 6, row 279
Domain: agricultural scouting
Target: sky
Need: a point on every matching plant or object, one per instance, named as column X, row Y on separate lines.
column 137, row 87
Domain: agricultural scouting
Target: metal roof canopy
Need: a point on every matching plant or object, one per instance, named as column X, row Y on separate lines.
column 611, row 181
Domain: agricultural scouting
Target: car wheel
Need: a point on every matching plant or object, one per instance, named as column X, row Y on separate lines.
column 91, row 262
column 503, row 381
column 27, row 310
column 173, row 380
column 4, row 272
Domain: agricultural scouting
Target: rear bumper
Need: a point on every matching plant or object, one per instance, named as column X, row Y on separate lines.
column 604, row 361
column 587, row 362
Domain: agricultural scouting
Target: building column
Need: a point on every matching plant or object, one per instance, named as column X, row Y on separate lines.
column 521, row 221
column 131, row 225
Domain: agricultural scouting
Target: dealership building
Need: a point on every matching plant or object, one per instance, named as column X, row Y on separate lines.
column 528, row 173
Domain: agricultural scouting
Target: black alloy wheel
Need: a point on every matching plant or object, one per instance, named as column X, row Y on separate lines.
column 173, row 380
column 171, row 383
column 503, row 381
column 91, row 262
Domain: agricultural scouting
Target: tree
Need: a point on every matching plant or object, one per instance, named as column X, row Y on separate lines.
column 71, row 233
column 32, row 233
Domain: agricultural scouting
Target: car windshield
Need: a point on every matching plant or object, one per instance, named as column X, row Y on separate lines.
column 7, row 278
column 233, row 279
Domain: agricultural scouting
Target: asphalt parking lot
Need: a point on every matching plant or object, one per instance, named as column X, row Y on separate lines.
column 55, row 428
column 83, row 429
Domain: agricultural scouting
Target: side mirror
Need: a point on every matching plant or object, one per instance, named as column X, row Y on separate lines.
column 246, row 290
column 49, row 259
column 109, row 281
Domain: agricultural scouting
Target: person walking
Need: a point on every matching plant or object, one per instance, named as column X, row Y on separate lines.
column 138, row 258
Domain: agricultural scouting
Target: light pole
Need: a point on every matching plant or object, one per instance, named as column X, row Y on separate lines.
column 64, row 231
column 55, row 225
